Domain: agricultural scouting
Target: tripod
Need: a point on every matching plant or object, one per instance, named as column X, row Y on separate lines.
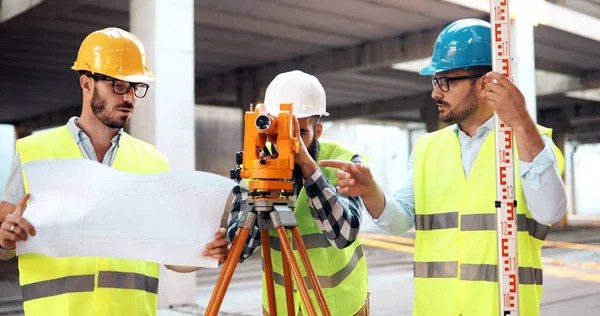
column 276, row 213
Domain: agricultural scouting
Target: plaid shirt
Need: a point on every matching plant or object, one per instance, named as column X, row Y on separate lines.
column 338, row 216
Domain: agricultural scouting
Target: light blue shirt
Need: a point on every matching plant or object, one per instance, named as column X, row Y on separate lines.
column 543, row 188
column 15, row 187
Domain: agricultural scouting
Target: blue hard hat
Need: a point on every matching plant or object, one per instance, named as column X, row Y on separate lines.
column 462, row 44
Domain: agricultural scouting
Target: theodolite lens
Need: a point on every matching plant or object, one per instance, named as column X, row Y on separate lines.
column 234, row 174
column 263, row 122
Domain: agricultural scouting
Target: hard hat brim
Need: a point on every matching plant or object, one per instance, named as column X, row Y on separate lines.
column 427, row 71
column 137, row 78
column 319, row 114
column 132, row 78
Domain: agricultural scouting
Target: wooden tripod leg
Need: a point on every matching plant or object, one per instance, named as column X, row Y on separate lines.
column 288, row 284
column 287, row 249
column 266, row 250
column 312, row 276
column 225, row 276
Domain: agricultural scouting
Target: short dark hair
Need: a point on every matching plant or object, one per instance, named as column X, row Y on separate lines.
column 479, row 70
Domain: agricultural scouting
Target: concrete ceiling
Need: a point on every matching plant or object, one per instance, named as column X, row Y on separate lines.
column 241, row 45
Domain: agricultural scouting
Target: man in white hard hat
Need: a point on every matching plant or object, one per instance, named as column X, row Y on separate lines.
column 329, row 222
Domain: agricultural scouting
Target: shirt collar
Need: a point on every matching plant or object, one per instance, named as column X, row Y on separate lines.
column 484, row 128
column 78, row 134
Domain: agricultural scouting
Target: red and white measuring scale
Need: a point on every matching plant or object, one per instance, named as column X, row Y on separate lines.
column 506, row 205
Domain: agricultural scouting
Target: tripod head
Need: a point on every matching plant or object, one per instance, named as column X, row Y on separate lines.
column 269, row 177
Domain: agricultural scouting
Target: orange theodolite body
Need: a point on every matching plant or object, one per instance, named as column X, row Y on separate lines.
column 275, row 172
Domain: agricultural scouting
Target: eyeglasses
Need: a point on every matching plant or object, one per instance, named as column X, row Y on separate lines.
column 121, row 87
column 444, row 82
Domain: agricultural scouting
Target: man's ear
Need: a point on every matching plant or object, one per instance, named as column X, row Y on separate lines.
column 481, row 86
column 318, row 131
column 86, row 84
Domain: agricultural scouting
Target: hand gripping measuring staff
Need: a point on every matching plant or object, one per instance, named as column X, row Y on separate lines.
column 271, row 204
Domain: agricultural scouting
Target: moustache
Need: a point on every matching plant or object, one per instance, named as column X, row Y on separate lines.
column 126, row 106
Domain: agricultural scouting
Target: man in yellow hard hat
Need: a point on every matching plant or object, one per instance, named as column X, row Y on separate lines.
column 449, row 192
column 328, row 222
column 113, row 75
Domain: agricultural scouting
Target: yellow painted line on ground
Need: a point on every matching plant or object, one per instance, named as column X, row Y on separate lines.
column 387, row 245
column 562, row 244
column 573, row 264
column 571, row 274
column 591, row 277
column 402, row 240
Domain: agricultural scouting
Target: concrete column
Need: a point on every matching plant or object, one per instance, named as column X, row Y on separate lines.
column 165, row 117
column 12, row 8
column 570, row 149
column 523, row 52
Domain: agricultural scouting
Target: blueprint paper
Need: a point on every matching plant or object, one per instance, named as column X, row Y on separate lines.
column 83, row 208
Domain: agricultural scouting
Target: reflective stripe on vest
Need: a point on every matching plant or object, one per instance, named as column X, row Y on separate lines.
column 475, row 222
column 70, row 284
column 124, row 280
column 311, row 241
column 473, row 272
column 85, row 283
column 331, row 281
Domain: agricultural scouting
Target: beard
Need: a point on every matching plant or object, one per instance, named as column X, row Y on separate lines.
column 464, row 108
column 99, row 108
column 297, row 175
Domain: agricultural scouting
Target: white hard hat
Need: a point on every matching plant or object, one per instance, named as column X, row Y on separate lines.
column 302, row 90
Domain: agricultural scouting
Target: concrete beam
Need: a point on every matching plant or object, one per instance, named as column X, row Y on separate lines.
column 378, row 108
column 553, row 66
column 584, row 136
column 47, row 120
column 41, row 13
column 379, row 55
column 366, row 56
column 584, row 120
column 12, row 8
column 549, row 14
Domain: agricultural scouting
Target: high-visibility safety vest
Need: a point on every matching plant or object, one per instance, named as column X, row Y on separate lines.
column 342, row 273
column 85, row 286
column 456, row 256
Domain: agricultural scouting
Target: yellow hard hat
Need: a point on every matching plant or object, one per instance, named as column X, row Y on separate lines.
column 115, row 53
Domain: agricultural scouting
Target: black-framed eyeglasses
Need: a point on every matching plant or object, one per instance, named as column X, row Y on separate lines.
column 122, row 87
column 444, row 82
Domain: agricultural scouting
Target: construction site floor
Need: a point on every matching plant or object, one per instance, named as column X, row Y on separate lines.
column 571, row 278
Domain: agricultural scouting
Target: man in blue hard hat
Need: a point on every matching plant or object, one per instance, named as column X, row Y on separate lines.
column 450, row 186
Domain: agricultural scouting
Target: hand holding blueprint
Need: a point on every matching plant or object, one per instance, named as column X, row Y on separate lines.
column 83, row 208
